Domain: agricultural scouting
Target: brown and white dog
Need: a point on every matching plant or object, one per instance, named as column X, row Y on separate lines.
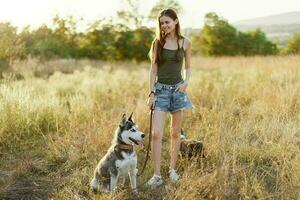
column 190, row 148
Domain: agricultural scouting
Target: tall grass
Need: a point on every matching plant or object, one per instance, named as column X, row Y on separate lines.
column 55, row 126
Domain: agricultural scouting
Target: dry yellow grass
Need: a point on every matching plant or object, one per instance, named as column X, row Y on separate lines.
column 54, row 128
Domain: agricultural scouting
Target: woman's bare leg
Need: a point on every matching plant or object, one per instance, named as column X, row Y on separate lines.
column 157, row 133
column 175, row 137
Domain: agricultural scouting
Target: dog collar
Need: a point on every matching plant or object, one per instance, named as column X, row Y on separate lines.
column 125, row 146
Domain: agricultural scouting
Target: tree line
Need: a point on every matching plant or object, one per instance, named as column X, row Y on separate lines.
column 118, row 41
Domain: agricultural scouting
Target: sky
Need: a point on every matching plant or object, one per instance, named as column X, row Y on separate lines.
column 37, row 12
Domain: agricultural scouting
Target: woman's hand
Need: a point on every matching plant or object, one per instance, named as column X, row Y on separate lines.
column 182, row 87
column 151, row 100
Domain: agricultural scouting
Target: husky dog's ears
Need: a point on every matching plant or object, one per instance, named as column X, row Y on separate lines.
column 123, row 120
column 130, row 117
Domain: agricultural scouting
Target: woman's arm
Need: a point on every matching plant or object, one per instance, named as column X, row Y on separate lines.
column 152, row 78
column 187, row 55
column 153, row 69
column 187, row 66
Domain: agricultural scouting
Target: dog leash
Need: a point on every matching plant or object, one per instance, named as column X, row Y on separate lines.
column 149, row 142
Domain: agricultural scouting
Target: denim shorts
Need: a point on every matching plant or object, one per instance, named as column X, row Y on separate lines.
column 169, row 100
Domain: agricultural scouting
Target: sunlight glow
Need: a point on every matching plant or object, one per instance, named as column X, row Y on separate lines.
column 36, row 12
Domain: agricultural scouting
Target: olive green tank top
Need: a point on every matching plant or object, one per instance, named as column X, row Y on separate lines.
column 169, row 69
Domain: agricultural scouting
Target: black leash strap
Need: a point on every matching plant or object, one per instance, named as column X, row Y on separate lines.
column 149, row 142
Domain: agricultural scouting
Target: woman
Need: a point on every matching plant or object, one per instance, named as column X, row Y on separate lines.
column 168, row 88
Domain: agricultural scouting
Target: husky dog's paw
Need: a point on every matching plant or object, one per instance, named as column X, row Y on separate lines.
column 135, row 193
column 95, row 185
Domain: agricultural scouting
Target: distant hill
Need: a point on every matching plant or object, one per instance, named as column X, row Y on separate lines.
column 278, row 28
column 279, row 19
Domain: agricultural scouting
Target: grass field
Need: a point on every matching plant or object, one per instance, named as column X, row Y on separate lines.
column 57, row 120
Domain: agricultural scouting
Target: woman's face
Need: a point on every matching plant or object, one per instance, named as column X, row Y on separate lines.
column 167, row 24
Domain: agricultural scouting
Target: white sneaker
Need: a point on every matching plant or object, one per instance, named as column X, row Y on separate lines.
column 155, row 181
column 174, row 177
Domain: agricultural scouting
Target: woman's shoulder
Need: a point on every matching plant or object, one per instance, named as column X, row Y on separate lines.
column 155, row 42
column 186, row 42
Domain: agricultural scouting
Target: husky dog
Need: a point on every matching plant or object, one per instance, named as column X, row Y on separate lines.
column 120, row 160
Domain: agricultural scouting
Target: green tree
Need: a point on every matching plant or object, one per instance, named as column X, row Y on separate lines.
column 65, row 32
column 197, row 42
column 102, row 40
column 108, row 41
column 26, row 37
column 130, row 17
column 218, row 36
column 293, row 46
column 99, row 41
column 255, row 42
column 11, row 47
column 162, row 4
column 44, row 45
column 142, row 39
column 59, row 41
